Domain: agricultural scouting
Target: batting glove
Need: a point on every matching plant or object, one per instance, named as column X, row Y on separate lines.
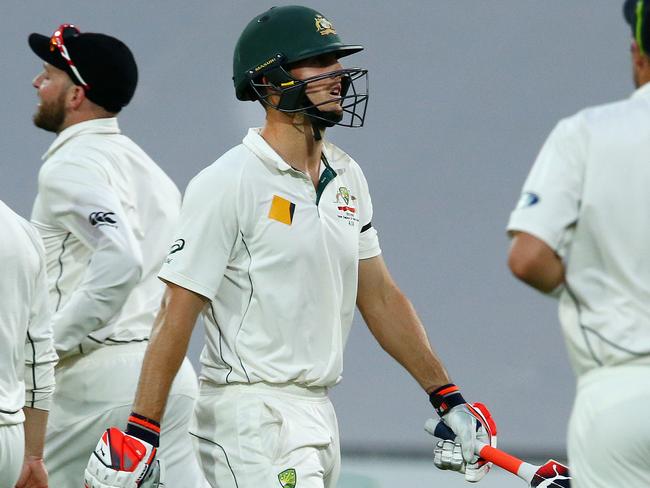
column 448, row 454
column 469, row 423
column 126, row 459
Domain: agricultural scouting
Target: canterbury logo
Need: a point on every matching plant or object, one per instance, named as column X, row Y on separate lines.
column 177, row 246
column 98, row 219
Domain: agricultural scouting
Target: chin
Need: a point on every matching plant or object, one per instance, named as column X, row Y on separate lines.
column 334, row 108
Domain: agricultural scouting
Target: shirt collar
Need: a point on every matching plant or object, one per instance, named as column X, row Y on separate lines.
column 642, row 91
column 256, row 143
column 94, row 126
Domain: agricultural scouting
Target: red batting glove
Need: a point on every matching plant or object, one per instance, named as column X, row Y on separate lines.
column 125, row 459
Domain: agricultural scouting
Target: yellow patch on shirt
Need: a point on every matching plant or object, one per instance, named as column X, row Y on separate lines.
column 282, row 210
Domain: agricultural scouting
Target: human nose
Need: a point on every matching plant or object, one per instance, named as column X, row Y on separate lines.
column 36, row 82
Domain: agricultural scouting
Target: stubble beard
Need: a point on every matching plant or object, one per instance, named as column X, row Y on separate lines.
column 50, row 115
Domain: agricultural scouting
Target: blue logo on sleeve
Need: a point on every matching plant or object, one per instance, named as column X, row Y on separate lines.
column 528, row 199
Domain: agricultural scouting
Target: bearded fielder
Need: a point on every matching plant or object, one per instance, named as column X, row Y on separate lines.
column 105, row 212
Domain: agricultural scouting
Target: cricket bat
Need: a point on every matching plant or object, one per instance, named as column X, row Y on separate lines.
column 551, row 474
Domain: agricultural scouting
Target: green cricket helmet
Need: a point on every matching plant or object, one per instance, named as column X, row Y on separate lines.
column 281, row 36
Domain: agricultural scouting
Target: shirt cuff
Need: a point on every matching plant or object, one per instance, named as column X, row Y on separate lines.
column 187, row 283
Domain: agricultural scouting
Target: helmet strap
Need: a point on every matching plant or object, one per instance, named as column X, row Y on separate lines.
column 320, row 120
column 317, row 129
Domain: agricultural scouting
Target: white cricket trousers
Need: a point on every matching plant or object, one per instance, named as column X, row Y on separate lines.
column 609, row 430
column 12, row 451
column 266, row 436
column 95, row 391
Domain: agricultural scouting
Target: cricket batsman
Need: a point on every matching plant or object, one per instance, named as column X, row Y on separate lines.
column 274, row 247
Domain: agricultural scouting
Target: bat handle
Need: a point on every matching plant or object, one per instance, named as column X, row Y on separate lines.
column 500, row 458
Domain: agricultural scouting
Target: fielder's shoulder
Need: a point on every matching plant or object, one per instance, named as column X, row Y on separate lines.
column 6, row 212
column 605, row 114
column 70, row 165
column 9, row 218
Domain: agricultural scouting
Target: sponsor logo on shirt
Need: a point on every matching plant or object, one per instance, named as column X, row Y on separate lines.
column 178, row 245
column 528, row 199
column 346, row 205
column 98, row 219
column 282, row 210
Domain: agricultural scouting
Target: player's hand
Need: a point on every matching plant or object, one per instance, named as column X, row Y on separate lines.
column 33, row 474
column 448, row 454
column 126, row 460
column 469, row 424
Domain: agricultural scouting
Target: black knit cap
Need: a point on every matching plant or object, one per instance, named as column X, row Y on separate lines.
column 641, row 29
column 105, row 63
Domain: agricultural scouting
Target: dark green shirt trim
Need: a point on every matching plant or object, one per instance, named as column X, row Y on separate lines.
column 328, row 175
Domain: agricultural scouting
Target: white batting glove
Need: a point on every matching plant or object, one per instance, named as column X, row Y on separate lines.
column 448, row 454
column 126, row 460
column 468, row 423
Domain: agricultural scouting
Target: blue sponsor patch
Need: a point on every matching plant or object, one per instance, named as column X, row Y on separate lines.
column 528, row 199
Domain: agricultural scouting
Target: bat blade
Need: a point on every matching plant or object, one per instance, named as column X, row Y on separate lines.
column 551, row 475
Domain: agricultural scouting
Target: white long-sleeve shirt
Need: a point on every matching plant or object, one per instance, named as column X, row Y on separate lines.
column 27, row 355
column 105, row 212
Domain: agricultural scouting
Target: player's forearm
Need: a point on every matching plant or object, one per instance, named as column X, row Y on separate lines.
column 35, row 424
column 165, row 353
column 397, row 328
column 167, row 348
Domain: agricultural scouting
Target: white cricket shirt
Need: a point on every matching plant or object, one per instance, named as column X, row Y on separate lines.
column 588, row 197
column 278, row 261
column 27, row 355
column 106, row 213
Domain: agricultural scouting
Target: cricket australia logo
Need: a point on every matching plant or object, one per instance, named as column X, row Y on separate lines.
column 323, row 26
column 346, row 204
column 97, row 219
column 288, row 478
